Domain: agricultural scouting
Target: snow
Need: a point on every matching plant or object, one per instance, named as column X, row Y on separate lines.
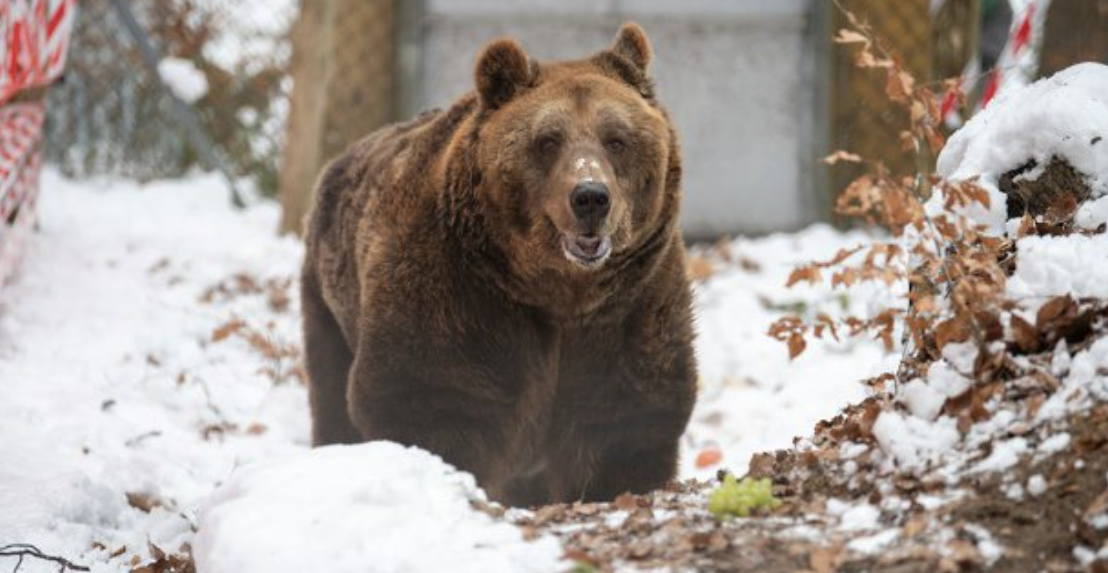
column 109, row 376
column 1055, row 443
column 117, row 396
column 1086, row 556
column 1056, row 266
column 183, row 79
column 990, row 550
column 873, row 543
column 1005, row 454
column 752, row 397
column 1064, row 116
column 948, row 377
column 923, row 437
column 370, row 507
column 250, row 30
column 1036, row 485
column 922, row 400
column 914, row 442
column 1092, row 214
column 1085, row 379
column 859, row 517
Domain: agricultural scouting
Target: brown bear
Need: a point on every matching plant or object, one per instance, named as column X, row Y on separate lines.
column 503, row 283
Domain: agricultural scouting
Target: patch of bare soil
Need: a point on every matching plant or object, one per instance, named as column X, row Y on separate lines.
column 1043, row 531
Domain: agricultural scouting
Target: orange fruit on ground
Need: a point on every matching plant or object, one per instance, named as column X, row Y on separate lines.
column 708, row 457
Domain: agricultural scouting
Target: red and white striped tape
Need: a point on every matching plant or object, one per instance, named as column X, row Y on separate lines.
column 20, row 134
column 20, row 165
column 15, row 231
column 1017, row 64
column 34, row 38
column 1019, row 60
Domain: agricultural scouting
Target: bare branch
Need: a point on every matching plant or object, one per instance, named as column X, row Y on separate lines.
column 22, row 550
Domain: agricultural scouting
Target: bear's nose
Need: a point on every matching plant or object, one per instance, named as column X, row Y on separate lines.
column 591, row 202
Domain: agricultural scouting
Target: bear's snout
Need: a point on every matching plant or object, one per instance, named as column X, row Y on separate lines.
column 590, row 202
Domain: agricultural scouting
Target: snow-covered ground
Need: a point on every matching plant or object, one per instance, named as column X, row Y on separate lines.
column 148, row 351
column 114, row 392
column 752, row 397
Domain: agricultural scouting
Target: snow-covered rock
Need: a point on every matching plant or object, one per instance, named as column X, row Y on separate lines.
column 1064, row 116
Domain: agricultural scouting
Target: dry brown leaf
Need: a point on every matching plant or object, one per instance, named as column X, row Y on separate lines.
column 825, row 559
column 866, row 59
column 1025, row 335
column 796, row 345
column 850, row 37
column 899, row 85
column 143, row 502
column 956, row 329
column 1053, row 311
column 626, row 501
column 700, row 268
column 808, row 273
column 227, row 329
column 841, row 155
column 256, row 429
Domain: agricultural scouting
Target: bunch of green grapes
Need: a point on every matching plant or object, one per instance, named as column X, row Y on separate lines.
column 740, row 498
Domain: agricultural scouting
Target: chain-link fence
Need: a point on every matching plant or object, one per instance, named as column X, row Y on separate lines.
column 865, row 121
column 113, row 113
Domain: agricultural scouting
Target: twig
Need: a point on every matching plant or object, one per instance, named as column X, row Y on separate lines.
column 21, row 550
column 132, row 442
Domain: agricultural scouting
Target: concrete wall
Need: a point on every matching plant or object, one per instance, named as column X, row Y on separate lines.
column 737, row 76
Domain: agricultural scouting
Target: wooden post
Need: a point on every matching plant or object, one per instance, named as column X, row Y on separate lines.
column 344, row 70
column 1074, row 32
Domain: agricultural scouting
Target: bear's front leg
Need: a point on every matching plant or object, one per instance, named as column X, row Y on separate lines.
column 635, row 454
column 471, row 430
column 626, row 390
column 631, row 467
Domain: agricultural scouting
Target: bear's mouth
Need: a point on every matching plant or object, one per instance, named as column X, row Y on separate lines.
column 586, row 250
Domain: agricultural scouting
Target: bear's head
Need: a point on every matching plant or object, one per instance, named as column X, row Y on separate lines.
column 579, row 163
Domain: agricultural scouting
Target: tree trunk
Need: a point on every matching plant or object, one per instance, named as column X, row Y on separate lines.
column 1074, row 32
column 343, row 70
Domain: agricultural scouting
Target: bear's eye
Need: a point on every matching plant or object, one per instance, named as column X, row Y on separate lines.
column 615, row 145
column 548, row 144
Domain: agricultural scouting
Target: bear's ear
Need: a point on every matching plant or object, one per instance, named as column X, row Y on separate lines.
column 631, row 43
column 503, row 70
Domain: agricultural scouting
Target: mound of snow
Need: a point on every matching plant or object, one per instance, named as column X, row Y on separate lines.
column 1063, row 116
column 370, row 507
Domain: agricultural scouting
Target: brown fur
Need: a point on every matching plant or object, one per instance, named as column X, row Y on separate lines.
column 440, row 309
